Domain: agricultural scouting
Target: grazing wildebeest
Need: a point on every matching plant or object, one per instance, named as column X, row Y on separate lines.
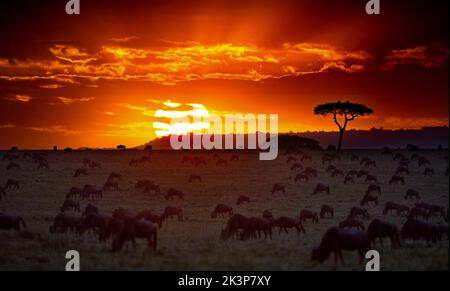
column 338, row 239
column 12, row 166
column 291, row 159
column 397, row 179
column 441, row 229
column 8, row 222
column 150, row 216
column 171, row 211
column 93, row 222
column 336, row 173
column 399, row 209
column 11, row 183
column 268, row 215
column 416, row 230
column 432, row 209
column 74, row 192
column 113, row 226
column 89, row 191
column 412, row 194
column 352, row 222
column 284, row 222
column 381, row 229
column 362, row 173
column 255, row 226
column 330, row 169
column 110, row 186
column 114, row 176
column 193, row 178
column 172, row 192
column 80, row 172
column 402, row 171
column 369, row 197
column 122, row 214
column 326, row 211
column 95, row 165
column 349, row 179
column 296, row 166
column 308, row 214
column 310, row 172
column 278, row 187
column 64, row 222
column 417, row 212
column 70, row 204
column 301, row 177
column 429, row 172
column 321, row 188
column 133, row 229
column 241, row 199
column 373, row 188
column 234, row 158
column 371, row 179
column 234, row 224
column 90, row 209
column 221, row 209
column 221, row 162
column 423, row 161
column 359, row 212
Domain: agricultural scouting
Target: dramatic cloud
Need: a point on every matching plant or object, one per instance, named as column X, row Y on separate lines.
column 19, row 98
column 58, row 129
column 432, row 56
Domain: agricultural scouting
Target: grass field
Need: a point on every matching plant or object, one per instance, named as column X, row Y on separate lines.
column 195, row 244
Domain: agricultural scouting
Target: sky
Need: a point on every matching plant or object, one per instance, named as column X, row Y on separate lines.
column 98, row 78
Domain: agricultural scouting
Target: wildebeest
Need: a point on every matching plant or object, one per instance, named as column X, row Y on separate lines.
column 410, row 193
column 397, row 179
column 417, row 212
column 171, row 211
column 221, row 209
column 301, row 177
column 296, row 166
column 428, row 172
column 64, row 222
column 133, row 229
column 352, row 223
column 95, row 165
column 371, row 179
column 242, row 198
column 245, row 227
column 321, row 188
column 362, row 173
column 373, row 188
column 416, row 230
column 336, row 173
column 151, row 187
column 150, row 216
column 93, row 222
column 308, row 214
column 423, row 161
column 348, row 179
column 284, row 222
column 8, row 222
column 114, row 176
column 402, row 170
column 399, row 209
column 311, row 172
column 110, row 186
column 336, row 240
column 268, row 215
column 381, row 229
column 359, row 212
column 172, row 192
column 90, row 209
column 432, row 209
column 70, row 204
column 80, row 172
column 278, row 187
column 74, row 192
column 11, row 183
column 326, row 211
column 369, row 197
column 194, row 178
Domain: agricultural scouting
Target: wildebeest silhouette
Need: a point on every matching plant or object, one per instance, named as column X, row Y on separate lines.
column 311, row 172
column 371, row 179
column 321, row 188
column 70, row 204
column 95, row 223
column 423, row 161
column 150, row 216
column 373, row 188
column 67, row 151
column 284, row 222
column 12, row 166
column 8, row 222
column 121, row 147
column 90, row 209
column 399, row 156
column 278, row 188
column 114, row 176
column 296, row 166
column 432, row 209
column 64, row 222
column 417, row 212
column 306, row 214
column 301, row 177
column 352, row 223
column 172, row 192
column 133, row 229
column 397, row 179
column 417, row 230
column 110, row 186
column 352, row 173
column 171, row 211
column 402, row 171
column 369, row 197
column 268, row 215
column 362, row 173
column 80, row 172
column 349, row 180
column 242, row 198
column 336, row 240
column 256, row 226
column 326, row 211
column 330, row 169
column 336, row 173
column 410, row 193
column 429, row 172
column 151, row 187
column 194, row 178
column 398, row 208
column 74, row 192
column 11, row 183
column 221, row 209
column 359, row 212
column 381, row 229
column 387, row 152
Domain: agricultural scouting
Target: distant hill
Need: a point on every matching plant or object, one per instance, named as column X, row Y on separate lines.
column 427, row 137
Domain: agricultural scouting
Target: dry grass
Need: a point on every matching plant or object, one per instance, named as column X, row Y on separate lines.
column 194, row 244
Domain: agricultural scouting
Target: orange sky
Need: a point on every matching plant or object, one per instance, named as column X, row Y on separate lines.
column 96, row 79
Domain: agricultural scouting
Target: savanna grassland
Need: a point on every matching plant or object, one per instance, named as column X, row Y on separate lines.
column 195, row 244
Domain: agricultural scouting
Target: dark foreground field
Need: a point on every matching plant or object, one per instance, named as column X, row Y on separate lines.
column 195, row 244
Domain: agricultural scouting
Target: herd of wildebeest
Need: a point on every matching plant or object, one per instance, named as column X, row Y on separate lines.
column 79, row 212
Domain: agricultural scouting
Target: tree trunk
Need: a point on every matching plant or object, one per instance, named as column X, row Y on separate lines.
column 341, row 136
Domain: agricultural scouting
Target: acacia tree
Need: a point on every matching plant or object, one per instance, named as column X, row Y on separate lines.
column 346, row 110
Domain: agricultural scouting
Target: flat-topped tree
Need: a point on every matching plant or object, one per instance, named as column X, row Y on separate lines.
column 345, row 110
